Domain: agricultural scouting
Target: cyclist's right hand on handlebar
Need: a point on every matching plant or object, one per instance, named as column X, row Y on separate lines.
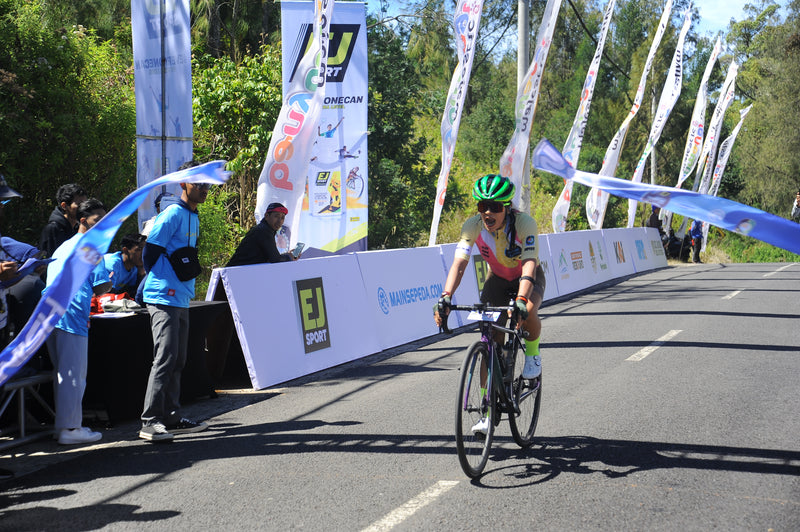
column 441, row 309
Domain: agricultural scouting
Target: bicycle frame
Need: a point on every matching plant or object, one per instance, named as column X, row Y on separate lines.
column 500, row 365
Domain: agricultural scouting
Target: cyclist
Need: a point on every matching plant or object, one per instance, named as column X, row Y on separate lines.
column 508, row 242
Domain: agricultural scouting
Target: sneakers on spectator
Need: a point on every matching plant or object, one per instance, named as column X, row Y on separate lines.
column 533, row 367
column 481, row 426
column 156, row 432
column 76, row 436
column 186, row 426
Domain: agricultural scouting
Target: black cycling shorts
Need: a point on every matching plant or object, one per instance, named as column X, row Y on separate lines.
column 498, row 291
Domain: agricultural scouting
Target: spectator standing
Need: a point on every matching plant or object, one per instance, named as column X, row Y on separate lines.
column 655, row 221
column 68, row 344
column 796, row 208
column 167, row 299
column 63, row 222
column 125, row 267
column 697, row 240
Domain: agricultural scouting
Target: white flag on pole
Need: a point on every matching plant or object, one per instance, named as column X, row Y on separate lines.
column 512, row 163
column 669, row 95
column 466, row 20
column 597, row 200
column 709, row 152
column 572, row 147
column 284, row 174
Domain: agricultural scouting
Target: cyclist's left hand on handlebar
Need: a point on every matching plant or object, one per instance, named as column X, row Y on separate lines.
column 521, row 309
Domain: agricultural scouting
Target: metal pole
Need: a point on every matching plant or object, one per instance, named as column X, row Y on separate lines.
column 163, row 8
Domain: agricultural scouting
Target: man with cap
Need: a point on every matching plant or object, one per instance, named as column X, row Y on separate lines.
column 258, row 245
column 167, row 297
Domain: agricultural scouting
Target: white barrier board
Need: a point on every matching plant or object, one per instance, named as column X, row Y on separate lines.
column 401, row 287
column 295, row 318
column 581, row 260
column 621, row 248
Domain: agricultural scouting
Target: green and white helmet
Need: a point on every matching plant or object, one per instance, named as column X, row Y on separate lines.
column 494, row 187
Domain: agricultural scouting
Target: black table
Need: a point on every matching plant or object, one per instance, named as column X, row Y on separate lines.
column 121, row 354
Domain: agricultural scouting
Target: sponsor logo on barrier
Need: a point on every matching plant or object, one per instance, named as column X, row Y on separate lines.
column 640, row 250
column 481, row 271
column 592, row 258
column 340, row 49
column 577, row 260
column 658, row 248
column 313, row 316
column 383, row 301
column 619, row 252
column 603, row 263
column 407, row 296
column 563, row 267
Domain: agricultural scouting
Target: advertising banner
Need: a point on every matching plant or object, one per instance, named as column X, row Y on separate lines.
column 572, row 147
column 283, row 177
column 335, row 199
column 620, row 252
column 597, row 200
column 316, row 317
column 669, row 95
column 721, row 212
column 402, row 285
column 512, row 162
column 163, row 95
column 581, row 260
column 466, row 21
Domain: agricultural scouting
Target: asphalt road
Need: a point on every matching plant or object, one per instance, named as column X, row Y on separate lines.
column 670, row 402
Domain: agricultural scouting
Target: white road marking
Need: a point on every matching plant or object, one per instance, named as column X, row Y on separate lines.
column 732, row 294
column 642, row 353
column 399, row 515
column 779, row 269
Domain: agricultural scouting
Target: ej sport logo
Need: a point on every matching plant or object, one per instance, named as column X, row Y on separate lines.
column 341, row 44
column 481, row 271
column 313, row 316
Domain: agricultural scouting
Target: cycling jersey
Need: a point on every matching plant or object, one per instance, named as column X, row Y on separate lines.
column 492, row 244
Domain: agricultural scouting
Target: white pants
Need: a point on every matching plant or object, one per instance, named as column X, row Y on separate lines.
column 69, row 354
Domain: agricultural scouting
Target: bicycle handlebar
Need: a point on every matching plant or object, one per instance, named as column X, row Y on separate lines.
column 481, row 308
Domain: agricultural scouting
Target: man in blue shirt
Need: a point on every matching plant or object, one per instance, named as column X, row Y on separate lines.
column 697, row 240
column 125, row 267
column 68, row 344
column 167, row 300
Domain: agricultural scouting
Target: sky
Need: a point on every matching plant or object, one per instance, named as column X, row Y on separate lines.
column 715, row 14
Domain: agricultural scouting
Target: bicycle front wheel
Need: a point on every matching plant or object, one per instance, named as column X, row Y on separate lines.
column 474, row 405
column 528, row 398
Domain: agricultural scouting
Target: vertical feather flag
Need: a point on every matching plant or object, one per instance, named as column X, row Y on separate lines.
column 708, row 155
column 283, row 176
column 669, row 95
column 512, row 162
column 597, row 200
column 466, row 21
column 572, row 147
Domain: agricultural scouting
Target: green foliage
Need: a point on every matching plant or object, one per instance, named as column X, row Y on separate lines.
column 218, row 237
column 66, row 115
column 235, row 108
column 745, row 249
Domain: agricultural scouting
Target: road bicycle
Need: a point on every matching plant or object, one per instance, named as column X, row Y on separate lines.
column 491, row 384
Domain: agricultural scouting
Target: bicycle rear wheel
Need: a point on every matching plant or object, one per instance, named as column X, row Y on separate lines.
column 471, row 406
column 528, row 397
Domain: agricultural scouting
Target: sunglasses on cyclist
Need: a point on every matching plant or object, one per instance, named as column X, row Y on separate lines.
column 202, row 186
column 491, row 206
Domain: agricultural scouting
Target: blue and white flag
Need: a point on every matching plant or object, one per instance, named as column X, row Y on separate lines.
column 721, row 212
column 88, row 252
